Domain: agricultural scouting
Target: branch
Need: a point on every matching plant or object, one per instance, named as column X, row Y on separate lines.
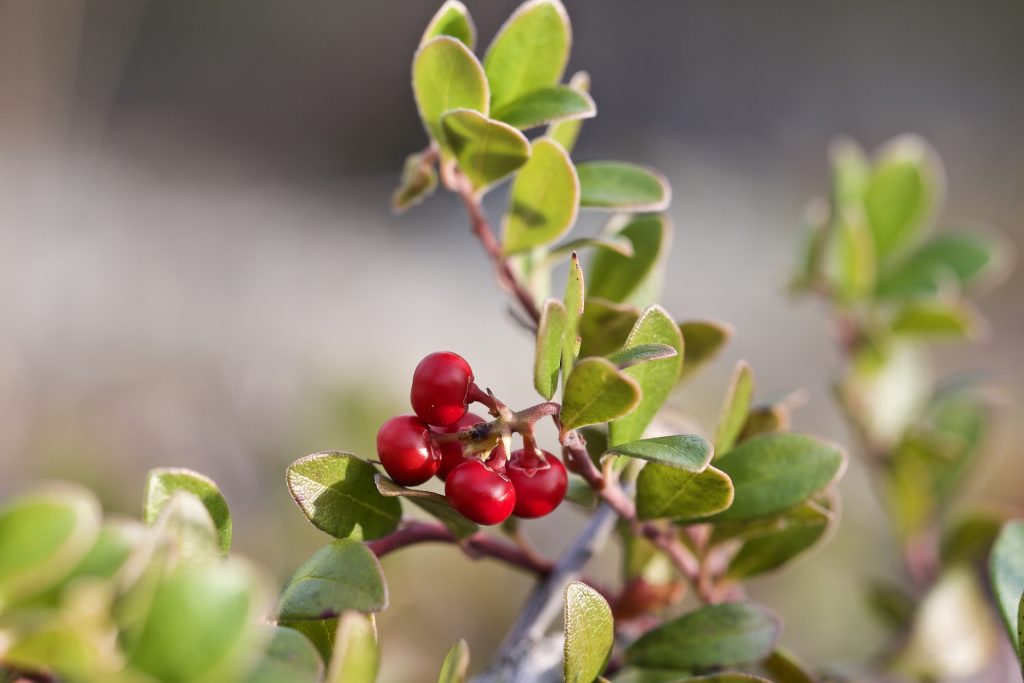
column 460, row 185
column 477, row 546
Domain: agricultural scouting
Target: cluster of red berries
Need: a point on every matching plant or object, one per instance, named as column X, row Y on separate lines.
column 413, row 448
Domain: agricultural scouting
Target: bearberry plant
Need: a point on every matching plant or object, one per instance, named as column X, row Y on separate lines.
column 695, row 512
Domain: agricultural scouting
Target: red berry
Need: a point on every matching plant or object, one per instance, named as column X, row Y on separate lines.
column 480, row 493
column 540, row 483
column 406, row 450
column 452, row 453
column 440, row 385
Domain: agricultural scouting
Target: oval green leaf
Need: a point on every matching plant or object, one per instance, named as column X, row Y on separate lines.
column 796, row 533
column 621, row 278
column 605, row 326
column 337, row 493
column 290, row 658
column 447, row 76
column 596, row 392
column 451, row 20
column 955, row 320
column 656, row 378
column 487, row 151
column 715, row 636
column 903, row 193
column 456, row 662
column 201, row 623
column 703, row 340
column 573, row 300
column 1006, row 570
column 689, row 452
column 735, row 407
column 548, row 355
column 43, row 536
column 544, row 199
column 343, row 575
column 774, row 472
column 161, row 485
column 589, row 633
column 418, row 181
column 529, row 52
column 963, row 257
column 641, row 353
column 356, row 656
column 669, row 492
column 622, row 186
column 559, row 103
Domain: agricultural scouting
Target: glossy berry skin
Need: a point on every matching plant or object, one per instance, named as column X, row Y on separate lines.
column 440, row 385
column 480, row 493
column 451, row 451
column 405, row 448
column 540, row 485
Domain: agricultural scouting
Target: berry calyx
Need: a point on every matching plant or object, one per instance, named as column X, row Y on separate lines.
column 405, row 448
column 480, row 493
column 539, row 479
column 452, row 453
column 440, row 388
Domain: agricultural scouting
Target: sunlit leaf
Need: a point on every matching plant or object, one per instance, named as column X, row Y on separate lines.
column 343, row 575
column 544, row 199
column 669, row 492
column 688, row 452
column 589, row 633
column 447, row 76
column 456, row 662
column 161, row 485
column 735, row 407
column 536, row 108
column 356, row 656
column 567, row 132
column 548, row 355
column 418, row 181
column 529, row 52
column 487, row 151
column 596, row 392
column 620, row 278
column 290, row 658
column 573, row 299
column 703, row 340
column 622, row 186
column 451, row 20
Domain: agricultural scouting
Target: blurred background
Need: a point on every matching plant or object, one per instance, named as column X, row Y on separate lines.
column 199, row 267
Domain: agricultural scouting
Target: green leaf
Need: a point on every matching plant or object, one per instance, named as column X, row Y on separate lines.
column 337, row 494
column 529, row 52
column 432, row 503
column 162, row 483
column 619, row 278
column 605, row 326
column 715, row 636
column 797, row 533
column 419, row 180
column 596, row 392
column 937, row 319
column 548, row 357
column 356, row 656
column 785, row 667
column 767, row 416
column 114, row 544
column 289, row 658
column 558, row 103
column 343, row 575
column 735, row 407
column 854, row 260
column 1006, row 571
column 544, row 199
column 656, row 378
column 622, row 186
column 902, row 194
column 320, row 632
column 186, row 522
column 573, row 300
column 641, row 353
column 456, row 662
column 589, row 633
column 952, row 258
column 688, row 452
column 44, row 534
column 451, row 20
column 447, row 76
column 631, row 675
column 970, row 538
column 851, row 172
column 616, row 243
column 774, row 472
column 568, row 131
column 669, row 492
column 487, row 151
column 200, row 624
column 703, row 340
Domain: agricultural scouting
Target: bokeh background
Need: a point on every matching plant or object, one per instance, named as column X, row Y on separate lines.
column 198, row 266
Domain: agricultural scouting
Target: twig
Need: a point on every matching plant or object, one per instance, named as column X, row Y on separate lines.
column 476, row 546
column 544, row 603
